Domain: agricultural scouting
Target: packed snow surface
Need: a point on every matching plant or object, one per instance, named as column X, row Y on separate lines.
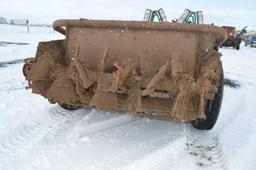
column 37, row 135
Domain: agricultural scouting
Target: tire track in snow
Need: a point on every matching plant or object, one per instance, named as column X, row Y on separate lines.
column 102, row 125
column 206, row 150
column 6, row 63
column 87, row 122
column 170, row 155
column 10, row 79
column 21, row 140
column 60, row 125
column 7, row 43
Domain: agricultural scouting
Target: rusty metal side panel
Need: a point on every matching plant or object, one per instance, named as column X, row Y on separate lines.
column 149, row 49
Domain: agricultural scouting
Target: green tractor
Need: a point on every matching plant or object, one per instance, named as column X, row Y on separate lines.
column 187, row 16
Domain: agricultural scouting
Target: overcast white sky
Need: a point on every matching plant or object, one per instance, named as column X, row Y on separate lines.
column 221, row 12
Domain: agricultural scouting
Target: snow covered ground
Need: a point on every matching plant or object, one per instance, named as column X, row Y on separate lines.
column 37, row 135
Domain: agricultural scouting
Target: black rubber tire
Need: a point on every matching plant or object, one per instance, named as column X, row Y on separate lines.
column 212, row 111
column 68, row 107
column 238, row 47
column 245, row 44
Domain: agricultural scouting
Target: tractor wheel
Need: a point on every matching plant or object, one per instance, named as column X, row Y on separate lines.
column 68, row 107
column 237, row 47
column 212, row 110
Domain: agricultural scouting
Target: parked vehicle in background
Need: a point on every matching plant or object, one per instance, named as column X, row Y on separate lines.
column 3, row 20
column 250, row 40
column 246, row 38
column 234, row 38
